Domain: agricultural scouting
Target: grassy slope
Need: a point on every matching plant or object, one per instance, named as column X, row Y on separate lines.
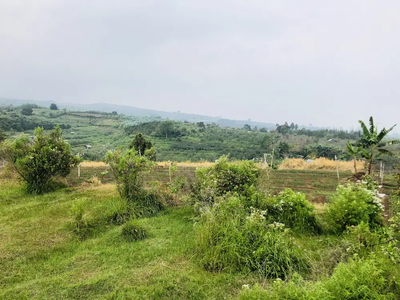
column 41, row 258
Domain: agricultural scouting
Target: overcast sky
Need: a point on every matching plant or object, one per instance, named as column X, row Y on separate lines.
column 328, row 63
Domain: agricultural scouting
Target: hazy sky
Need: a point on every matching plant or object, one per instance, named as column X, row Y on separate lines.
column 309, row 61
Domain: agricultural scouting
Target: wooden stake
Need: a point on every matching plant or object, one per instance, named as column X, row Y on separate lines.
column 337, row 168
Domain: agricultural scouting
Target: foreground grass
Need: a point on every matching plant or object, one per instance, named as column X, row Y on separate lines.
column 41, row 258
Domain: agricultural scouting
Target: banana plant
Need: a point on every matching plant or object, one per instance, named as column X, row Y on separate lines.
column 353, row 151
column 372, row 143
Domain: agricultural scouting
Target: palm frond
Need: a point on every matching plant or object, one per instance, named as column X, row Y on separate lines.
column 384, row 133
column 365, row 154
column 371, row 125
column 366, row 133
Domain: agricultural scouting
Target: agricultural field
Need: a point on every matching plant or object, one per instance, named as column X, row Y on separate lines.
column 317, row 185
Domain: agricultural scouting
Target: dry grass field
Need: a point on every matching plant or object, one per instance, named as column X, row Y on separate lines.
column 324, row 164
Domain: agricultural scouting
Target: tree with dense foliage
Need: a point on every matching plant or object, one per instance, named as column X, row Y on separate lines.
column 140, row 144
column 372, row 143
column 41, row 158
column 283, row 149
column 247, row 127
column 165, row 128
column 27, row 111
column 53, row 106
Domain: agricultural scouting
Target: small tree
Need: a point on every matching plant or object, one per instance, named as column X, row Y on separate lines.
column 140, row 144
column 283, row 149
column 53, row 106
column 353, row 151
column 127, row 167
column 40, row 159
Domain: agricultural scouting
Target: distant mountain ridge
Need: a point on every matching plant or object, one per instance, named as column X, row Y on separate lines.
column 140, row 112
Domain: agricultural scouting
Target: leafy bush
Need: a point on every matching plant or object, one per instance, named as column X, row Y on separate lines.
column 362, row 241
column 224, row 177
column 293, row 210
column 131, row 231
column 231, row 238
column 128, row 168
column 39, row 160
column 351, row 205
column 358, row 279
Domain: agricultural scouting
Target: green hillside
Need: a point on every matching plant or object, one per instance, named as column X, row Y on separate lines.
column 178, row 141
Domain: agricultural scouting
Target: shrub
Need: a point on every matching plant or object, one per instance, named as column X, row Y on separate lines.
column 362, row 241
column 127, row 168
column 293, row 210
column 224, row 177
column 39, row 160
column 131, row 231
column 231, row 238
column 358, row 279
column 351, row 205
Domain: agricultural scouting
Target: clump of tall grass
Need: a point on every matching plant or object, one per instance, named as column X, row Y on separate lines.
column 229, row 237
column 83, row 224
column 322, row 163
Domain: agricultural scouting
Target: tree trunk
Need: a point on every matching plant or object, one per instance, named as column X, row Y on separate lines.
column 370, row 165
column 355, row 166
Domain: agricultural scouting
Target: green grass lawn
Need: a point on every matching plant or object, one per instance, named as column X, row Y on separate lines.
column 40, row 256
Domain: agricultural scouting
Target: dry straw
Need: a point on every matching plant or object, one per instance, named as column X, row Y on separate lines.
column 323, row 164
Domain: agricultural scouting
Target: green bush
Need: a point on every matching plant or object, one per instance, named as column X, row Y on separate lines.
column 131, row 231
column 224, row 177
column 39, row 160
column 293, row 210
column 128, row 168
column 231, row 238
column 358, row 279
column 351, row 205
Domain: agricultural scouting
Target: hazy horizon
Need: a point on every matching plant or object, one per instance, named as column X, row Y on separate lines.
column 325, row 64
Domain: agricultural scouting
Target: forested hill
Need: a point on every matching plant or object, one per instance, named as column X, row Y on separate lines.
column 140, row 112
column 174, row 140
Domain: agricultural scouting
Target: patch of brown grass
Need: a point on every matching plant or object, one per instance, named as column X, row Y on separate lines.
column 93, row 164
column 323, row 164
